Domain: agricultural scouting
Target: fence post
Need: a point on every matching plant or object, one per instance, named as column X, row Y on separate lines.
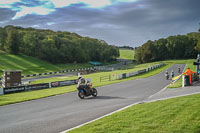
column 49, row 84
column 183, row 81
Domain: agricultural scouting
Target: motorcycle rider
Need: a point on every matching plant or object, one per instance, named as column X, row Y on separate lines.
column 179, row 70
column 81, row 83
column 172, row 73
column 166, row 74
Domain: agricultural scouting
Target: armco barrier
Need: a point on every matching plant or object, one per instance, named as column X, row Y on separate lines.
column 125, row 75
column 133, row 73
column 141, row 71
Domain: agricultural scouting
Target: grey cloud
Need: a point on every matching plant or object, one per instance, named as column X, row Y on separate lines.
column 130, row 23
column 6, row 14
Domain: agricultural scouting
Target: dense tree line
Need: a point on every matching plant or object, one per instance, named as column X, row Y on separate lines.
column 126, row 47
column 55, row 47
column 173, row 47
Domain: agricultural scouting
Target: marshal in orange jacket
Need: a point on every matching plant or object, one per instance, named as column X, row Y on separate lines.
column 189, row 73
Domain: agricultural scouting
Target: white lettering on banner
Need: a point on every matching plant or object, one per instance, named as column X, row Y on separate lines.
column 14, row 89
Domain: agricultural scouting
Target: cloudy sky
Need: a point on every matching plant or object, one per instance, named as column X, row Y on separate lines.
column 118, row 22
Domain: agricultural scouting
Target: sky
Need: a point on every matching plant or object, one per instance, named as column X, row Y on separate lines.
column 118, row 22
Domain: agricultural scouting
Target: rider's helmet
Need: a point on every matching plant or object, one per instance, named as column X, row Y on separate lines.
column 79, row 76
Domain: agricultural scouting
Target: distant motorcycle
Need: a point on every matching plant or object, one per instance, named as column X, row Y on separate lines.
column 87, row 91
column 167, row 75
column 179, row 70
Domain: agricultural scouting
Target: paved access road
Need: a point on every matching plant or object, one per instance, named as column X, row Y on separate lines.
column 58, row 113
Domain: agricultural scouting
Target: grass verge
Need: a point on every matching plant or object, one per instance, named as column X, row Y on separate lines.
column 178, row 115
column 31, row 95
column 25, row 96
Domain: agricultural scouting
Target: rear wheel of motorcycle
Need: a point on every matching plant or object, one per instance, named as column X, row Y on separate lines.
column 81, row 95
column 94, row 92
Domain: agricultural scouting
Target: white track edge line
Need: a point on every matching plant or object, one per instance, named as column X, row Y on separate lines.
column 126, row 108
column 100, row 117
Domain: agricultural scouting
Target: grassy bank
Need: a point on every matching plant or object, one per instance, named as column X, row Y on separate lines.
column 178, row 115
column 31, row 65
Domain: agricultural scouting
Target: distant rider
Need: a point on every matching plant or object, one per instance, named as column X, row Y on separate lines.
column 179, row 70
column 166, row 74
column 172, row 73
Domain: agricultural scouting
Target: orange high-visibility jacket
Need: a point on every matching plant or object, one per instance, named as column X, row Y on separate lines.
column 189, row 72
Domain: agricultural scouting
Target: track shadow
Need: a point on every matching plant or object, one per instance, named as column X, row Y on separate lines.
column 196, row 83
column 105, row 97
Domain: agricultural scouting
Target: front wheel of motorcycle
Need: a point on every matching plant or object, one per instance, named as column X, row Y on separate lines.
column 94, row 92
column 81, row 95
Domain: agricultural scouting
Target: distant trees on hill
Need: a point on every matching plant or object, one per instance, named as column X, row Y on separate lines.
column 173, row 47
column 55, row 47
column 126, row 47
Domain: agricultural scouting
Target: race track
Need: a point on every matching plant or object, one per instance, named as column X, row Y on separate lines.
column 58, row 113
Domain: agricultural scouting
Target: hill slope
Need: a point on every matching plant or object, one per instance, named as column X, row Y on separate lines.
column 127, row 54
column 31, row 65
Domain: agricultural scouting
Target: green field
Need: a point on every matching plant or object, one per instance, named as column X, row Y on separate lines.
column 178, row 115
column 127, row 54
column 30, row 65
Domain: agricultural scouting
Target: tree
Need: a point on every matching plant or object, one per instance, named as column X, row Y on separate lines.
column 3, row 37
column 12, row 41
column 148, row 50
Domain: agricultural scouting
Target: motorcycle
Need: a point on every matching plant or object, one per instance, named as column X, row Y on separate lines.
column 167, row 76
column 86, row 91
column 179, row 70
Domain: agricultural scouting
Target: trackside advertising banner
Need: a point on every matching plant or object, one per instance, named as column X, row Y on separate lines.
column 14, row 89
column 37, row 86
column 68, row 82
column 55, row 84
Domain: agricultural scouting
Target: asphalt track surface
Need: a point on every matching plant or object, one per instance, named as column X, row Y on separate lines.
column 58, row 113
